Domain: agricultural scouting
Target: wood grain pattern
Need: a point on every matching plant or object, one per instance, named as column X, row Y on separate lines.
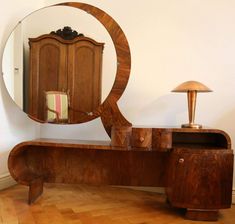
column 85, row 78
column 182, row 160
column 141, row 138
column 72, row 66
column 93, row 164
column 121, row 136
column 196, row 176
column 108, row 110
column 83, row 204
column 44, row 76
column 197, row 171
column 204, row 215
column 162, row 139
column 35, row 189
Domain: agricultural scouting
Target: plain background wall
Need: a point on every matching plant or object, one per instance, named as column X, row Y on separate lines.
column 171, row 42
column 15, row 126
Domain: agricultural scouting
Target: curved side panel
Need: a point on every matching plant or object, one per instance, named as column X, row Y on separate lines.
column 18, row 165
column 61, row 163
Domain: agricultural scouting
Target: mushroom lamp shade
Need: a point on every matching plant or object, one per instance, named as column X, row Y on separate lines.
column 191, row 88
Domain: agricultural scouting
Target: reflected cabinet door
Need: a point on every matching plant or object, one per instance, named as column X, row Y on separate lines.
column 47, row 72
column 73, row 66
column 84, row 77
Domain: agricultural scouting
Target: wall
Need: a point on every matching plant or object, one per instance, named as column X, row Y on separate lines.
column 171, row 42
column 15, row 126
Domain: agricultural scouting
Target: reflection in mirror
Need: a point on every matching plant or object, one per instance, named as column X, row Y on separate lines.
column 16, row 55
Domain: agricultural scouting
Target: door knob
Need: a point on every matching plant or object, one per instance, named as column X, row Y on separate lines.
column 181, row 160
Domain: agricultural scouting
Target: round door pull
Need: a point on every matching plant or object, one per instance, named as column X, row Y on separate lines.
column 141, row 139
column 181, row 160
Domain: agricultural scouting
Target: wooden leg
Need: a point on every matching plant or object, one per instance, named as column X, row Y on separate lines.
column 202, row 215
column 35, row 190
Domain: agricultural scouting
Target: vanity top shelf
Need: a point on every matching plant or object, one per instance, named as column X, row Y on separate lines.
column 144, row 139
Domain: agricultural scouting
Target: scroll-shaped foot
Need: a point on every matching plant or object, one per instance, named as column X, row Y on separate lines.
column 35, row 189
column 202, row 215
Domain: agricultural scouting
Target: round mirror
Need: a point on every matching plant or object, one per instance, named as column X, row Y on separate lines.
column 34, row 67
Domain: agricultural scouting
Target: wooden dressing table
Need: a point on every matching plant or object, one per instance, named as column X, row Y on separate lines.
column 195, row 166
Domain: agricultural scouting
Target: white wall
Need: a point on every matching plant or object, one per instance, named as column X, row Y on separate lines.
column 15, row 126
column 171, row 42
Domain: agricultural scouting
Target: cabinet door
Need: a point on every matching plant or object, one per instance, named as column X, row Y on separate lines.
column 200, row 179
column 84, row 77
column 48, row 71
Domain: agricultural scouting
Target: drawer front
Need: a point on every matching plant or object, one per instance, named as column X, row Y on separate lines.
column 120, row 136
column 141, row 138
column 162, row 140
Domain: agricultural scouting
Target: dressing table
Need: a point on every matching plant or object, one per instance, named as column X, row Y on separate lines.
column 195, row 166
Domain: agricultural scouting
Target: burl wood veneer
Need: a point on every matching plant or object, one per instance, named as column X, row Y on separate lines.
column 194, row 165
column 196, row 170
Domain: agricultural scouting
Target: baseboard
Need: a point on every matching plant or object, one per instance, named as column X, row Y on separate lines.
column 6, row 181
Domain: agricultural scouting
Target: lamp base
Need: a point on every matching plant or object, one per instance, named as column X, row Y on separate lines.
column 191, row 125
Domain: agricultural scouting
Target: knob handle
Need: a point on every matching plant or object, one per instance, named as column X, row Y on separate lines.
column 141, row 139
column 181, row 160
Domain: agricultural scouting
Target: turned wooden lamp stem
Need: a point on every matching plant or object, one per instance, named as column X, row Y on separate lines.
column 192, row 88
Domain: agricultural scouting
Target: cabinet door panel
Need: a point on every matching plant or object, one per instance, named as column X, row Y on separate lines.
column 48, row 71
column 84, row 77
column 200, row 179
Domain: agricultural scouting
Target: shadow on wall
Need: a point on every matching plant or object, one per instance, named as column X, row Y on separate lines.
column 166, row 110
column 3, row 161
column 227, row 122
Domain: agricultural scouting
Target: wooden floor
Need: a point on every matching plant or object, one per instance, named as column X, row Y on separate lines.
column 82, row 204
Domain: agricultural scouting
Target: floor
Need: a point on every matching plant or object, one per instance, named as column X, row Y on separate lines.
column 82, row 204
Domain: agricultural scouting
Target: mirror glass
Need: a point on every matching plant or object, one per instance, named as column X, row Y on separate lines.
column 15, row 64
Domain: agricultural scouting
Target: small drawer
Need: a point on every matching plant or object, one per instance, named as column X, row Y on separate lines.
column 141, row 138
column 162, row 139
column 120, row 136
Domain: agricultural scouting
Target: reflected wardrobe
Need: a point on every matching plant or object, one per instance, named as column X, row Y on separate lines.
column 65, row 61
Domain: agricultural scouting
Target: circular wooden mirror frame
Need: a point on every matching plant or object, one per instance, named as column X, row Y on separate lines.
column 123, row 58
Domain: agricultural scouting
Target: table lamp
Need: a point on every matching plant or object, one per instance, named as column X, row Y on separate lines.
column 191, row 88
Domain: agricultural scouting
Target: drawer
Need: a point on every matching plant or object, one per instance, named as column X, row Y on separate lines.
column 141, row 138
column 162, row 139
column 120, row 136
